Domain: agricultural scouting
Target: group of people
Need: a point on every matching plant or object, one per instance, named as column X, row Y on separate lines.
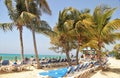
column 25, row 61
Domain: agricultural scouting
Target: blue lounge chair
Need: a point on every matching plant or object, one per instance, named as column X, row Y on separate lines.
column 75, row 68
column 5, row 62
column 59, row 73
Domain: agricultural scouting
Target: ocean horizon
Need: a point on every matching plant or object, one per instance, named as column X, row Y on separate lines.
column 8, row 56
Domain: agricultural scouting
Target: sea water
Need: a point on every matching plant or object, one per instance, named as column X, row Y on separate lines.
column 12, row 56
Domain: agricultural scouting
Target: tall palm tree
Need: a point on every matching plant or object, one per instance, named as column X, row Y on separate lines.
column 79, row 26
column 61, row 43
column 103, row 27
column 39, row 4
column 73, row 27
column 14, row 13
column 82, row 29
column 62, row 40
column 22, row 18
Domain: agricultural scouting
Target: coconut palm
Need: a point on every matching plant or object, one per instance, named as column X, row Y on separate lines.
column 103, row 27
column 22, row 18
column 79, row 26
column 38, row 4
column 82, row 29
column 14, row 13
column 63, row 39
column 62, row 44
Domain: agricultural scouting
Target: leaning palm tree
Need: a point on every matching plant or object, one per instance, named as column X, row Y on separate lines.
column 14, row 13
column 62, row 40
column 62, row 43
column 82, row 29
column 38, row 4
column 79, row 25
column 22, row 18
column 103, row 27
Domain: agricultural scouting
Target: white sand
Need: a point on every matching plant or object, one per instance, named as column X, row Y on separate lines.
column 24, row 74
column 114, row 72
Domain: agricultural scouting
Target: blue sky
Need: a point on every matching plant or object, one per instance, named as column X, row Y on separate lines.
column 9, row 41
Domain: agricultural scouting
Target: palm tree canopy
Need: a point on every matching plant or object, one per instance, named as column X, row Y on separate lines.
column 102, row 16
column 103, row 27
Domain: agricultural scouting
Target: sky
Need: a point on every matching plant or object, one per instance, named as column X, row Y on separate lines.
column 10, row 43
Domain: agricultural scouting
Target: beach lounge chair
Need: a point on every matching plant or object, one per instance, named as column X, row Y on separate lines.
column 85, row 65
column 7, row 68
column 59, row 73
column 105, row 64
column 5, row 62
column 75, row 68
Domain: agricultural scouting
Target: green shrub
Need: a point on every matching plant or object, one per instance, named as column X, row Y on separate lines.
column 0, row 58
column 117, row 55
column 15, row 58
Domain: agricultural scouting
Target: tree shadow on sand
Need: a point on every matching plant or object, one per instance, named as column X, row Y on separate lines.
column 104, row 72
column 114, row 70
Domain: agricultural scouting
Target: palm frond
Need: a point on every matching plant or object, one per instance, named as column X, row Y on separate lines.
column 8, row 4
column 44, row 28
column 25, row 18
column 44, row 6
column 6, row 26
column 92, row 43
column 111, row 26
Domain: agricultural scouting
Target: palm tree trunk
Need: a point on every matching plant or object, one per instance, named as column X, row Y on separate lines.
column 26, row 4
column 34, row 40
column 21, row 44
column 99, row 54
column 77, row 52
column 68, row 58
column 35, row 49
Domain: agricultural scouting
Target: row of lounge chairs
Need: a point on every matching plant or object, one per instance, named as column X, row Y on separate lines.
column 5, row 66
column 77, row 71
column 55, row 63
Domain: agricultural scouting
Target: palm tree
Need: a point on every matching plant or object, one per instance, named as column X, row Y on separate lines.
column 61, row 43
column 14, row 13
column 19, row 16
column 82, row 29
column 38, row 4
column 103, row 27
column 62, row 40
column 78, row 24
column 72, row 27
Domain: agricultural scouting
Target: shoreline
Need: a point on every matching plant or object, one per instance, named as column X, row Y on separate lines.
column 12, row 56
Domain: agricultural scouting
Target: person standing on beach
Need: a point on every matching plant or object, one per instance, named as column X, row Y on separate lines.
column 15, row 63
column 31, row 60
column 71, row 55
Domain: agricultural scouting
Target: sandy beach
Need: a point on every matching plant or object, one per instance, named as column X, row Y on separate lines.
column 112, row 72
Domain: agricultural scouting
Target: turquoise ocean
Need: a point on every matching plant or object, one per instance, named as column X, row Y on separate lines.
column 12, row 56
